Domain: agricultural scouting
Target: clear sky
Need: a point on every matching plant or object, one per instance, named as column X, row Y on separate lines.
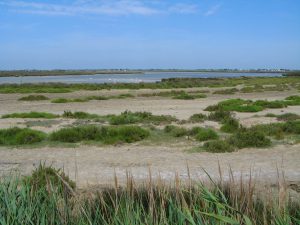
column 190, row 34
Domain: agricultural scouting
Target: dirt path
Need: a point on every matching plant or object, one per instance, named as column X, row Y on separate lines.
column 97, row 165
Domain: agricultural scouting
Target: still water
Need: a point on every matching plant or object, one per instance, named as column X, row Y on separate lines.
column 125, row 78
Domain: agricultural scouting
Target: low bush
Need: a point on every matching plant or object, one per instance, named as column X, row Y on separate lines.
column 229, row 91
column 271, row 104
column 60, row 100
column 220, row 115
column 107, row 135
column 288, row 117
column 230, row 125
column 240, row 105
column 128, row 117
column 18, row 136
column 270, row 115
column 79, row 115
column 175, row 131
column 33, row 98
column 184, row 96
column 41, row 115
column 218, row 146
column 249, row 138
column 206, row 134
column 197, row 118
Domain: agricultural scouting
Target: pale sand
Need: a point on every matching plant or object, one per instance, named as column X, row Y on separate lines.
column 96, row 165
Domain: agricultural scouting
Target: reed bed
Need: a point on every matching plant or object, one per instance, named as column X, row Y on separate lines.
column 49, row 197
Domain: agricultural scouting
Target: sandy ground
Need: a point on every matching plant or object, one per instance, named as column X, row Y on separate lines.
column 97, row 164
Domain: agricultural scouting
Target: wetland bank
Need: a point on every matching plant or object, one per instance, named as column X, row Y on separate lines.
column 111, row 135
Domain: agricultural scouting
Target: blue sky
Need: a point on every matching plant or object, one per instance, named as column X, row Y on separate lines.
column 51, row 34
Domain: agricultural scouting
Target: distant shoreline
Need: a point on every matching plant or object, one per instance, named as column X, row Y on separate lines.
column 22, row 73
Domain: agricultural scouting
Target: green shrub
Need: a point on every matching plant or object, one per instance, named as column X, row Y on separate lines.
column 60, row 100
column 107, row 135
column 79, row 115
column 206, row 134
column 226, row 91
column 175, row 131
column 270, row 115
column 99, row 98
column 33, row 98
column 249, row 138
column 270, row 104
column 220, row 115
column 218, row 146
column 31, row 115
column 18, row 136
column 197, row 118
column 288, row 117
column 184, row 96
column 230, row 125
column 128, row 117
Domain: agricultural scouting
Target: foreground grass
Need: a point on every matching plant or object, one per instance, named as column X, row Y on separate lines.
column 48, row 196
column 164, row 84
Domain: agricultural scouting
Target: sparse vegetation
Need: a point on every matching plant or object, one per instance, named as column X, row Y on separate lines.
column 240, row 105
column 164, row 84
column 197, row 118
column 34, row 98
column 205, row 134
column 41, row 115
column 89, row 98
column 230, row 125
column 128, row 117
column 245, row 138
column 176, row 131
column 229, row 91
column 218, row 146
column 107, row 135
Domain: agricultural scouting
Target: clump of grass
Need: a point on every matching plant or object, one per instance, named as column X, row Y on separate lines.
column 79, row 115
column 230, row 125
column 184, row 96
column 288, row 117
column 270, row 115
column 176, row 131
column 245, row 138
column 229, row 91
column 18, row 136
column 42, row 115
column 44, row 177
column 60, row 100
column 129, row 117
column 64, row 100
column 240, row 105
column 107, row 135
column 218, row 146
column 220, row 115
column 33, row 98
column 293, row 100
column 206, row 134
column 271, row 104
column 278, row 129
column 197, row 118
